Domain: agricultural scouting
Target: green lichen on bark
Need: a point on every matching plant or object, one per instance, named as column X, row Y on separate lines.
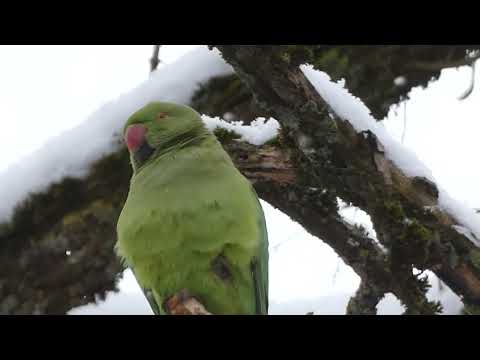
column 44, row 222
column 108, row 178
column 414, row 244
column 365, row 300
column 469, row 309
column 365, row 65
column 275, row 142
column 475, row 258
column 67, row 231
column 418, row 304
column 369, row 71
column 357, row 170
column 226, row 94
column 225, row 136
column 66, row 266
column 395, row 209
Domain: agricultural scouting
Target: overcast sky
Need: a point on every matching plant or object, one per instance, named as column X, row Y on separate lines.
column 45, row 90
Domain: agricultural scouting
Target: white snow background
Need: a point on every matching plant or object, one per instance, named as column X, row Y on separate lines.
column 60, row 111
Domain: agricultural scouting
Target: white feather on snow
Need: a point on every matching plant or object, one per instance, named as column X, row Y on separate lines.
column 258, row 132
column 353, row 110
column 71, row 153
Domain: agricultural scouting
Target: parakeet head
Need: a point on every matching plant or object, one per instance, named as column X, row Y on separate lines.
column 159, row 127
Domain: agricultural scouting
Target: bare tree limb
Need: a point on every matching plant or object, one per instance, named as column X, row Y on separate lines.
column 155, row 60
column 365, row 300
column 354, row 167
column 440, row 65
column 71, row 259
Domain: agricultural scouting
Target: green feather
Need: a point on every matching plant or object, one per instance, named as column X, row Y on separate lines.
column 191, row 220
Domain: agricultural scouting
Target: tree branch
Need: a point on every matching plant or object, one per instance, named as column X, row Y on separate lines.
column 154, row 60
column 354, row 167
column 445, row 64
column 365, row 300
column 69, row 230
column 76, row 250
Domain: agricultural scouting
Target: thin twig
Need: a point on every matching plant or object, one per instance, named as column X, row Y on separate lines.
column 154, row 61
column 472, row 85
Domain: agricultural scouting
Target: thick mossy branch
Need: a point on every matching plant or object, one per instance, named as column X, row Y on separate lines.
column 353, row 166
column 76, row 253
column 381, row 76
column 384, row 75
column 316, row 210
column 69, row 265
column 57, row 252
column 226, row 94
column 365, row 300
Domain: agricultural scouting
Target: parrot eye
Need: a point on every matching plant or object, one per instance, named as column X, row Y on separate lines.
column 160, row 116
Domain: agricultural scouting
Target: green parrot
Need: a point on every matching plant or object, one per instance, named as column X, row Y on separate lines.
column 191, row 224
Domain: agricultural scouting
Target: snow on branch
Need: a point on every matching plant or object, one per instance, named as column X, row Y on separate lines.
column 352, row 109
column 359, row 162
column 72, row 153
column 258, row 132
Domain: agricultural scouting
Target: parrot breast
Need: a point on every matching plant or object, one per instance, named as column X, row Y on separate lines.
column 192, row 221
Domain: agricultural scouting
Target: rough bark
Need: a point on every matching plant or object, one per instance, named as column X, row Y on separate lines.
column 372, row 72
column 57, row 253
column 365, row 300
column 354, row 167
column 381, row 76
column 78, row 268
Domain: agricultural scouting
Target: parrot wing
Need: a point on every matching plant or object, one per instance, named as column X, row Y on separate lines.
column 259, row 268
column 151, row 300
column 148, row 293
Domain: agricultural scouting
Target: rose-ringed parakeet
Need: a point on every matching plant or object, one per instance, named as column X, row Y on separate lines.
column 191, row 224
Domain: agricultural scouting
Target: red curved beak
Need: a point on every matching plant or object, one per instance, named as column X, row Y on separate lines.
column 135, row 136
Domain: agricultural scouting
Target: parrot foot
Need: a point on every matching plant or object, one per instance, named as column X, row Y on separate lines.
column 183, row 303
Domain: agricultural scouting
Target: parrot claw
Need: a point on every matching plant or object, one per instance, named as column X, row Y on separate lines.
column 183, row 303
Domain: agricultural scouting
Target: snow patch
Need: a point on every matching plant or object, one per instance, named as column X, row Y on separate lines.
column 400, row 81
column 357, row 217
column 465, row 215
column 258, row 132
column 353, row 110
